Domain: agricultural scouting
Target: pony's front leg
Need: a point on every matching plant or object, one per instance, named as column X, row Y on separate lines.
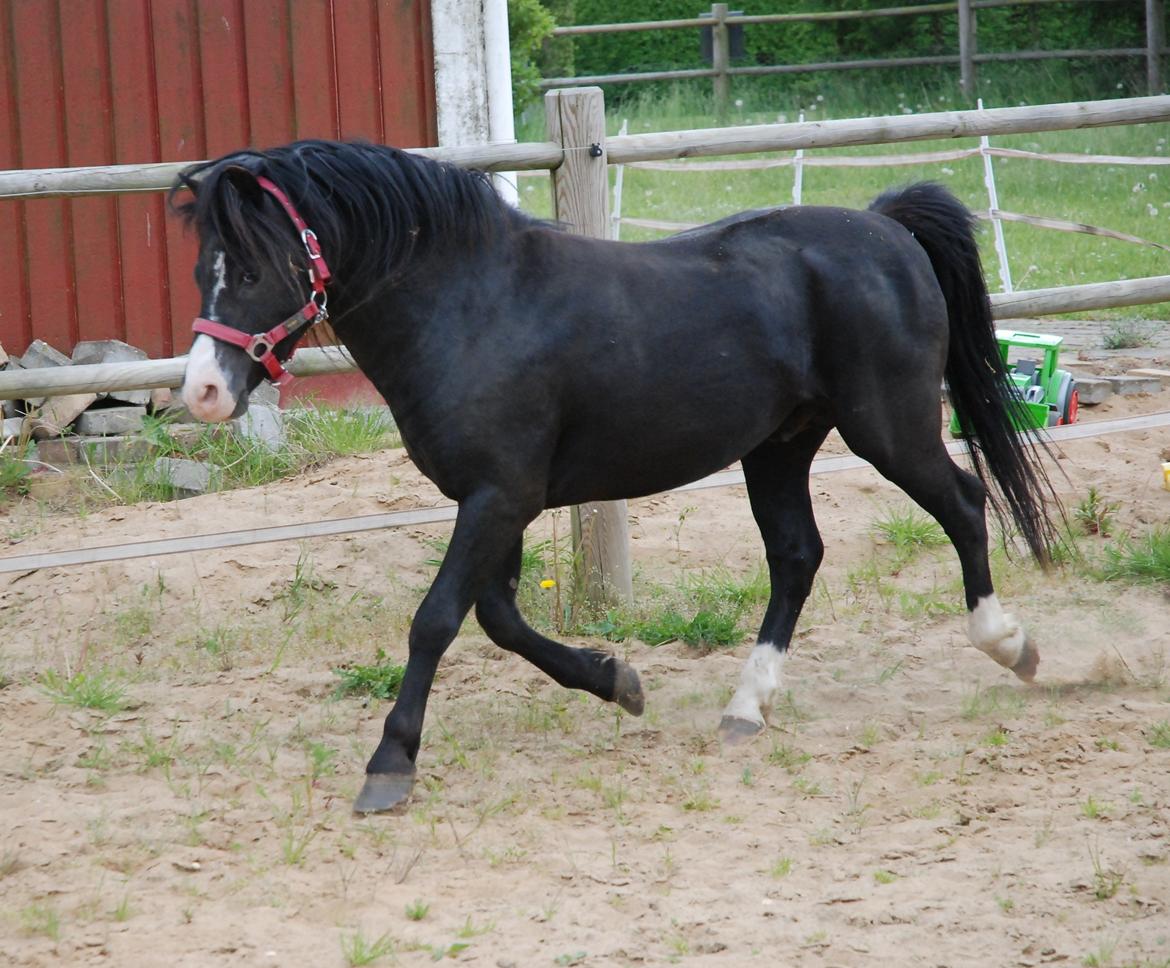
column 487, row 526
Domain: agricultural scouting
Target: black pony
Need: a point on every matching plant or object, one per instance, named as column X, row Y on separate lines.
column 528, row 368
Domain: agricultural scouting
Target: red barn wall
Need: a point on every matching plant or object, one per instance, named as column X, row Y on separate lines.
column 99, row 82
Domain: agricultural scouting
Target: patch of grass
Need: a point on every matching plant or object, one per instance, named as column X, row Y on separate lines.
column 884, row 877
column 88, row 691
column 788, row 757
column 1143, row 561
column 41, row 919
column 700, row 801
column 334, row 431
column 15, row 468
column 707, row 628
column 1158, row 735
column 379, row 680
column 998, row 700
column 782, row 868
column 1093, row 809
column 416, row 910
column 997, row 737
column 357, row 950
column 909, row 528
column 722, row 589
column 1107, row 881
column 1125, row 334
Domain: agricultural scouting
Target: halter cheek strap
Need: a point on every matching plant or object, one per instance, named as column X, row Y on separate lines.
column 261, row 347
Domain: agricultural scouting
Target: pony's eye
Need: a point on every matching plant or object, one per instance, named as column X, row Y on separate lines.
column 249, row 278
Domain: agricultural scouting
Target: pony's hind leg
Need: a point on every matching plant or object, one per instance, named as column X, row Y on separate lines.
column 777, row 481
column 605, row 676
column 921, row 467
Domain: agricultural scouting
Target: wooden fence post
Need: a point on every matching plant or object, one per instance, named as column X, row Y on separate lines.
column 1155, row 42
column 966, row 49
column 580, row 187
column 720, row 57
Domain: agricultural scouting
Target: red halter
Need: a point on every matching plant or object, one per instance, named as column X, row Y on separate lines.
column 260, row 347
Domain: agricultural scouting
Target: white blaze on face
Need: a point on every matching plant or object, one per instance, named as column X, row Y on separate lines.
column 993, row 631
column 219, row 283
column 759, row 682
column 205, row 389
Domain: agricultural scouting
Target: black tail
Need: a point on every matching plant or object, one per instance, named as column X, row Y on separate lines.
column 979, row 386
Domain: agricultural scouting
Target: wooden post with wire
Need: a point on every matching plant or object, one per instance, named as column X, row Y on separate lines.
column 1155, row 44
column 720, row 57
column 966, row 49
column 580, row 189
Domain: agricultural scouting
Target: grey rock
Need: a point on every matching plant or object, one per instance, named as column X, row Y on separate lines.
column 12, row 427
column 263, row 424
column 1162, row 376
column 59, row 412
column 40, row 355
column 1130, row 386
column 266, row 395
column 1091, row 390
column 112, row 351
column 97, row 451
column 187, row 477
column 110, row 421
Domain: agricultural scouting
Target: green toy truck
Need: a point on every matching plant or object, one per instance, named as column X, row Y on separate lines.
column 1049, row 395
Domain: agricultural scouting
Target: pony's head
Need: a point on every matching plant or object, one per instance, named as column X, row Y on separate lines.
column 256, row 278
column 381, row 214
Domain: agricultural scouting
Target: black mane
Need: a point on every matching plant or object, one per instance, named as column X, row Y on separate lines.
column 373, row 207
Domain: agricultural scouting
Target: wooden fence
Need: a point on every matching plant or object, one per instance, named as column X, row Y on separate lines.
column 578, row 154
column 721, row 20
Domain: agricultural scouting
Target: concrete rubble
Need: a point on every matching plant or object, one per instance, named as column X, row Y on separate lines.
column 104, row 429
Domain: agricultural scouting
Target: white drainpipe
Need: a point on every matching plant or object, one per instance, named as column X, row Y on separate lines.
column 498, row 68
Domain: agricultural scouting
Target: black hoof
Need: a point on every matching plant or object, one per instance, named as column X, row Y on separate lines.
column 1029, row 659
column 383, row 792
column 627, row 688
column 733, row 731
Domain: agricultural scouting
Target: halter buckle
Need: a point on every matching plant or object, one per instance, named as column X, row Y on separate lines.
column 259, row 348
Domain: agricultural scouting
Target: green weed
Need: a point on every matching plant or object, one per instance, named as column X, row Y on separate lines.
column 908, row 528
column 1144, row 560
column 1095, row 515
column 15, row 468
column 1159, row 735
column 89, row 691
column 322, row 431
column 1125, row 334
column 357, row 950
column 380, row 680
column 416, row 910
column 42, row 919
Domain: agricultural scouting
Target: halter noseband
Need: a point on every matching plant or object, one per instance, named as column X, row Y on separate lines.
column 260, row 347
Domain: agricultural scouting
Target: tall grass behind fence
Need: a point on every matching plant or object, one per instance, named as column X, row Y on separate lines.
column 1128, row 199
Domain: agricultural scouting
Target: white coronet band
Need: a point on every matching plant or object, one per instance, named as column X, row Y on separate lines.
column 995, row 632
column 759, row 682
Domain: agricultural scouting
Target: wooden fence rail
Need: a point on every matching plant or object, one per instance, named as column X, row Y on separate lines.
column 720, row 20
column 624, row 149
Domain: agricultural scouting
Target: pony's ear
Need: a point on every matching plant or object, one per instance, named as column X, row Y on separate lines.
column 244, row 181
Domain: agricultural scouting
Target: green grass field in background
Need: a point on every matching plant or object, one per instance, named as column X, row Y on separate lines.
column 1130, row 199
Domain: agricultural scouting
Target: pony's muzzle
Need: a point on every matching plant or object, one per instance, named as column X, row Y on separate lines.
column 205, row 390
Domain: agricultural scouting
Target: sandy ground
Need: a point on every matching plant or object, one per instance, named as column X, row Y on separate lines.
column 911, row 804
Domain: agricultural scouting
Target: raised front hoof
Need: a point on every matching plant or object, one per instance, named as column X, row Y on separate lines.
column 1025, row 666
column 734, row 731
column 383, row 792
column 627, row 688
